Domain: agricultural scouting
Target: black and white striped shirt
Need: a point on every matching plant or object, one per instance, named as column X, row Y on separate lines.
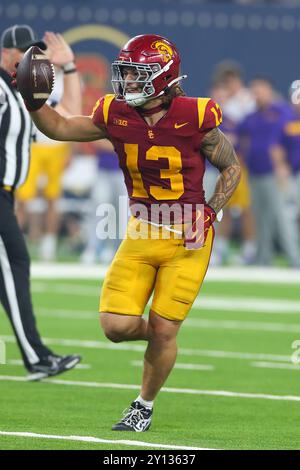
column 15, row 134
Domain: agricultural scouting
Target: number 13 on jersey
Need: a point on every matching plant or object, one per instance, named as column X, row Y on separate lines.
column 173, row 173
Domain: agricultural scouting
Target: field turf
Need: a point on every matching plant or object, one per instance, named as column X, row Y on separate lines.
column 234, row 386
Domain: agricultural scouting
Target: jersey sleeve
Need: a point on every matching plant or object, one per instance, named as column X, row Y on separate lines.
column 3, row 99
column 100, row 113
column 209, row 114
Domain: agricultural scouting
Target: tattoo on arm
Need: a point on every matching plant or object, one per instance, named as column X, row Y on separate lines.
column 218, row 150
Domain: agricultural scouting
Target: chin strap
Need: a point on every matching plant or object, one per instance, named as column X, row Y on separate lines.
column 176, row 80
column 170, row 84
column 138, row 99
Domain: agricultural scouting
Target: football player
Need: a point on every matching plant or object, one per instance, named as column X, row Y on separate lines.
column 162, row 139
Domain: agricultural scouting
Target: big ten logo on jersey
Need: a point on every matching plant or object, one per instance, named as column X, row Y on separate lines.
column 295, row 357
column 120, row 122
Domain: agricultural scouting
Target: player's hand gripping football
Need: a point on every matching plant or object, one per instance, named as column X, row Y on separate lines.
column 34, row 78
column 196, row 232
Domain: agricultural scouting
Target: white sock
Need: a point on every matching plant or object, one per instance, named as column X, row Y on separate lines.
column 48, row 247
column 222, row 246
column 249, row 248
column 145, row 403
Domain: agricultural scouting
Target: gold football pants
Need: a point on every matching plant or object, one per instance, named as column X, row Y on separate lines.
column 161, row 266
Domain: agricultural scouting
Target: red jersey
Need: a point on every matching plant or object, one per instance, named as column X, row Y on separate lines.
column 162, row 164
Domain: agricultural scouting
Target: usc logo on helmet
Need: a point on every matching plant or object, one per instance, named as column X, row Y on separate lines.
column 164, row 49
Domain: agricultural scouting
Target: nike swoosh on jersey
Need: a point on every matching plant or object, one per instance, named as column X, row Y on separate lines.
column 177, row 126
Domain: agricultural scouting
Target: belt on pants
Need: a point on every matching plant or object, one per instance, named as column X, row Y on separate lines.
column 7, row 188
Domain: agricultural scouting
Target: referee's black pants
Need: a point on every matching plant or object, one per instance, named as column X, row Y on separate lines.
column 15, row 283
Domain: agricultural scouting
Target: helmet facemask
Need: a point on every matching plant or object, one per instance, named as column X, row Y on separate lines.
column 145, row 78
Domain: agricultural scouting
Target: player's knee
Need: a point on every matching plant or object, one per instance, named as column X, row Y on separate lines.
column 116, row 329
column 161, row 334
column 114, row 335
column 113, row 332
column 162, row 330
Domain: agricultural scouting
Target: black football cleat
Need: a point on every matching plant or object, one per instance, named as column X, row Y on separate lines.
column 137, row 419
column 52, row 365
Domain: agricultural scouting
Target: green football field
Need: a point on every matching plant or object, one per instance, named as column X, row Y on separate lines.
column 234, row 385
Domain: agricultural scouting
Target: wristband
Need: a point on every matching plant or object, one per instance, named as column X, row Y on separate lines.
column 70, row 67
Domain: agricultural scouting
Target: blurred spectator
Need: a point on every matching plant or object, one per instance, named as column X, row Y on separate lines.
column 239, row 102
column 49, row 158
column 290, row 141
column 218, row 94
column 77, row 181
column 286, row 159
column 236, row 102
column 107, row 188
column 259, row 132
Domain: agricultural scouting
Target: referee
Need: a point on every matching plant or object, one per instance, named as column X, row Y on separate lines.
column 15, row 139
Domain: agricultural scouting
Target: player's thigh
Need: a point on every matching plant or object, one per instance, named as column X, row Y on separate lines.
column 28, row 190
column 129, row 281
column 115, row 325
column 179, row 281
column 56, row 157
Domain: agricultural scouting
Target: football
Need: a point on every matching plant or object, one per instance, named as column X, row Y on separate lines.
column 35, row 78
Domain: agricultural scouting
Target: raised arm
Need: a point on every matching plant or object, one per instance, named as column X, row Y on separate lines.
column 58, row 127
column 61, row 55
column 219, row 151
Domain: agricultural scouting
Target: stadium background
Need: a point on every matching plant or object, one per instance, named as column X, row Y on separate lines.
column 239, row 349
column 206, row 32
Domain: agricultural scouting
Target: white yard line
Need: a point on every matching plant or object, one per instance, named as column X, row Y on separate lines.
column 93, row 314
column 246, row 304
column 67, row 271
column 189, row 322
column 180, row 365
column 272, row 365
column 70, row 314
column 185, row 391
column 59, row 288
column 243, row 325
column 97, row 440
column 223, row 274
column 203, row 302
column 63, row 313
column 141, row 348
